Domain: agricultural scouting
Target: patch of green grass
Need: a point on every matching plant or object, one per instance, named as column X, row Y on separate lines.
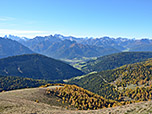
column 79, row 62
column 79, row 77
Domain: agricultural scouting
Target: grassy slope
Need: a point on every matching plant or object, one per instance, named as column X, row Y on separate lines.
column 23, row 101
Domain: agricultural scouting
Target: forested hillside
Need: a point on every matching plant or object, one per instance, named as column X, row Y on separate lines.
column 114, row 60
column 80, row 98
column 37, row 67
column 14, row 82
column 133, row 81
column 97, row 84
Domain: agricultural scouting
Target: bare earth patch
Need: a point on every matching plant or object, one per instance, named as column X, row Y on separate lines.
column 23, row 101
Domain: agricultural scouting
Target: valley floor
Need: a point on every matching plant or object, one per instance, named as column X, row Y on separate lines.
column 34, row 101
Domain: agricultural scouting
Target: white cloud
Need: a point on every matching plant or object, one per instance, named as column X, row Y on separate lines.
column 23, row 33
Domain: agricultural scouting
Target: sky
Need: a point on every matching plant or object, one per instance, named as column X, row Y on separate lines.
column 79, row 18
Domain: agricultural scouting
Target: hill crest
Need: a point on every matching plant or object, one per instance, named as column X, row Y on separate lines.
column 37, row 66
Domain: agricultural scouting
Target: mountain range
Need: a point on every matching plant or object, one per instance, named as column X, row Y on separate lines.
column 69, row 47
column 60, row 48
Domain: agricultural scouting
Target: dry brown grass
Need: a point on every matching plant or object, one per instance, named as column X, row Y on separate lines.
column 24, row 102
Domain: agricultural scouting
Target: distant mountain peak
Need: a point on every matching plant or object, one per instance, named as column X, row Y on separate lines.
column 17, row 38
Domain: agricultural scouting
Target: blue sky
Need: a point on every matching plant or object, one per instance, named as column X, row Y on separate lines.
column 81, row 18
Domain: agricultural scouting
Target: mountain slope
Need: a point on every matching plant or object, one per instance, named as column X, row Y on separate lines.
column 71, row 49
column 23, row 101
column 115, row 60
column 40, row 44
column 97, row 84
column 10, row 47
column 141, row 47
column 37, row 67
column 114, row 83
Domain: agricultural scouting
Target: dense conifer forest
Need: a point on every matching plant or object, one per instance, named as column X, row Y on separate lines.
column 114, row 60
column 14, row 82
